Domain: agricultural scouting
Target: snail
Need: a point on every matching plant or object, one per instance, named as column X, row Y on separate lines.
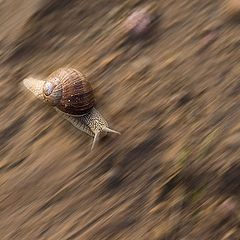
column 69, row 92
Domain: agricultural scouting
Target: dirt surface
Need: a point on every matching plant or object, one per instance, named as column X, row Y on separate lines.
column 174, row 173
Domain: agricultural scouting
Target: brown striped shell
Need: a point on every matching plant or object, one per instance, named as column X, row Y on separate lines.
column 69, row 91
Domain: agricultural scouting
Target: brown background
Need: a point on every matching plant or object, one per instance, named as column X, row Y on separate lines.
column 173, row 173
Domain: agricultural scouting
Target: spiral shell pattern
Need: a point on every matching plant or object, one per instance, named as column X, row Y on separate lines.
column 69, row 91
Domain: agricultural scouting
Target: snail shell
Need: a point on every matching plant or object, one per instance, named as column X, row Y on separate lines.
column 68, row 90
column 71, row 94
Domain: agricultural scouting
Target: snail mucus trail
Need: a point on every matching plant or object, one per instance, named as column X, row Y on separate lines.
column 69, row 92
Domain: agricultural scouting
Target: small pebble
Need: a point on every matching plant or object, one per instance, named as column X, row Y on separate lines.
column 139, row 23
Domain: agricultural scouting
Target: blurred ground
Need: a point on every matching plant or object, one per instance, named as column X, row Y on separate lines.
column 173, row 173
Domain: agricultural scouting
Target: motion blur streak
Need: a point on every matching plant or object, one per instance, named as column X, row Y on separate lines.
column 166, row 75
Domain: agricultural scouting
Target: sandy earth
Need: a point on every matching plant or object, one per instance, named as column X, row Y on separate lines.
column 174, row 173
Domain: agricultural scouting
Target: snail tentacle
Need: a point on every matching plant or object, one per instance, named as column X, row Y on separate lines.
column 95, row 139
column 106, row 129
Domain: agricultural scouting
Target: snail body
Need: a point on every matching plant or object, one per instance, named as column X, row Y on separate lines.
column 69, row 92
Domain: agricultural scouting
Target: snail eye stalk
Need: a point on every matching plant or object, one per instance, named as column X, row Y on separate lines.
column 96, row 136
column 106, row 129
